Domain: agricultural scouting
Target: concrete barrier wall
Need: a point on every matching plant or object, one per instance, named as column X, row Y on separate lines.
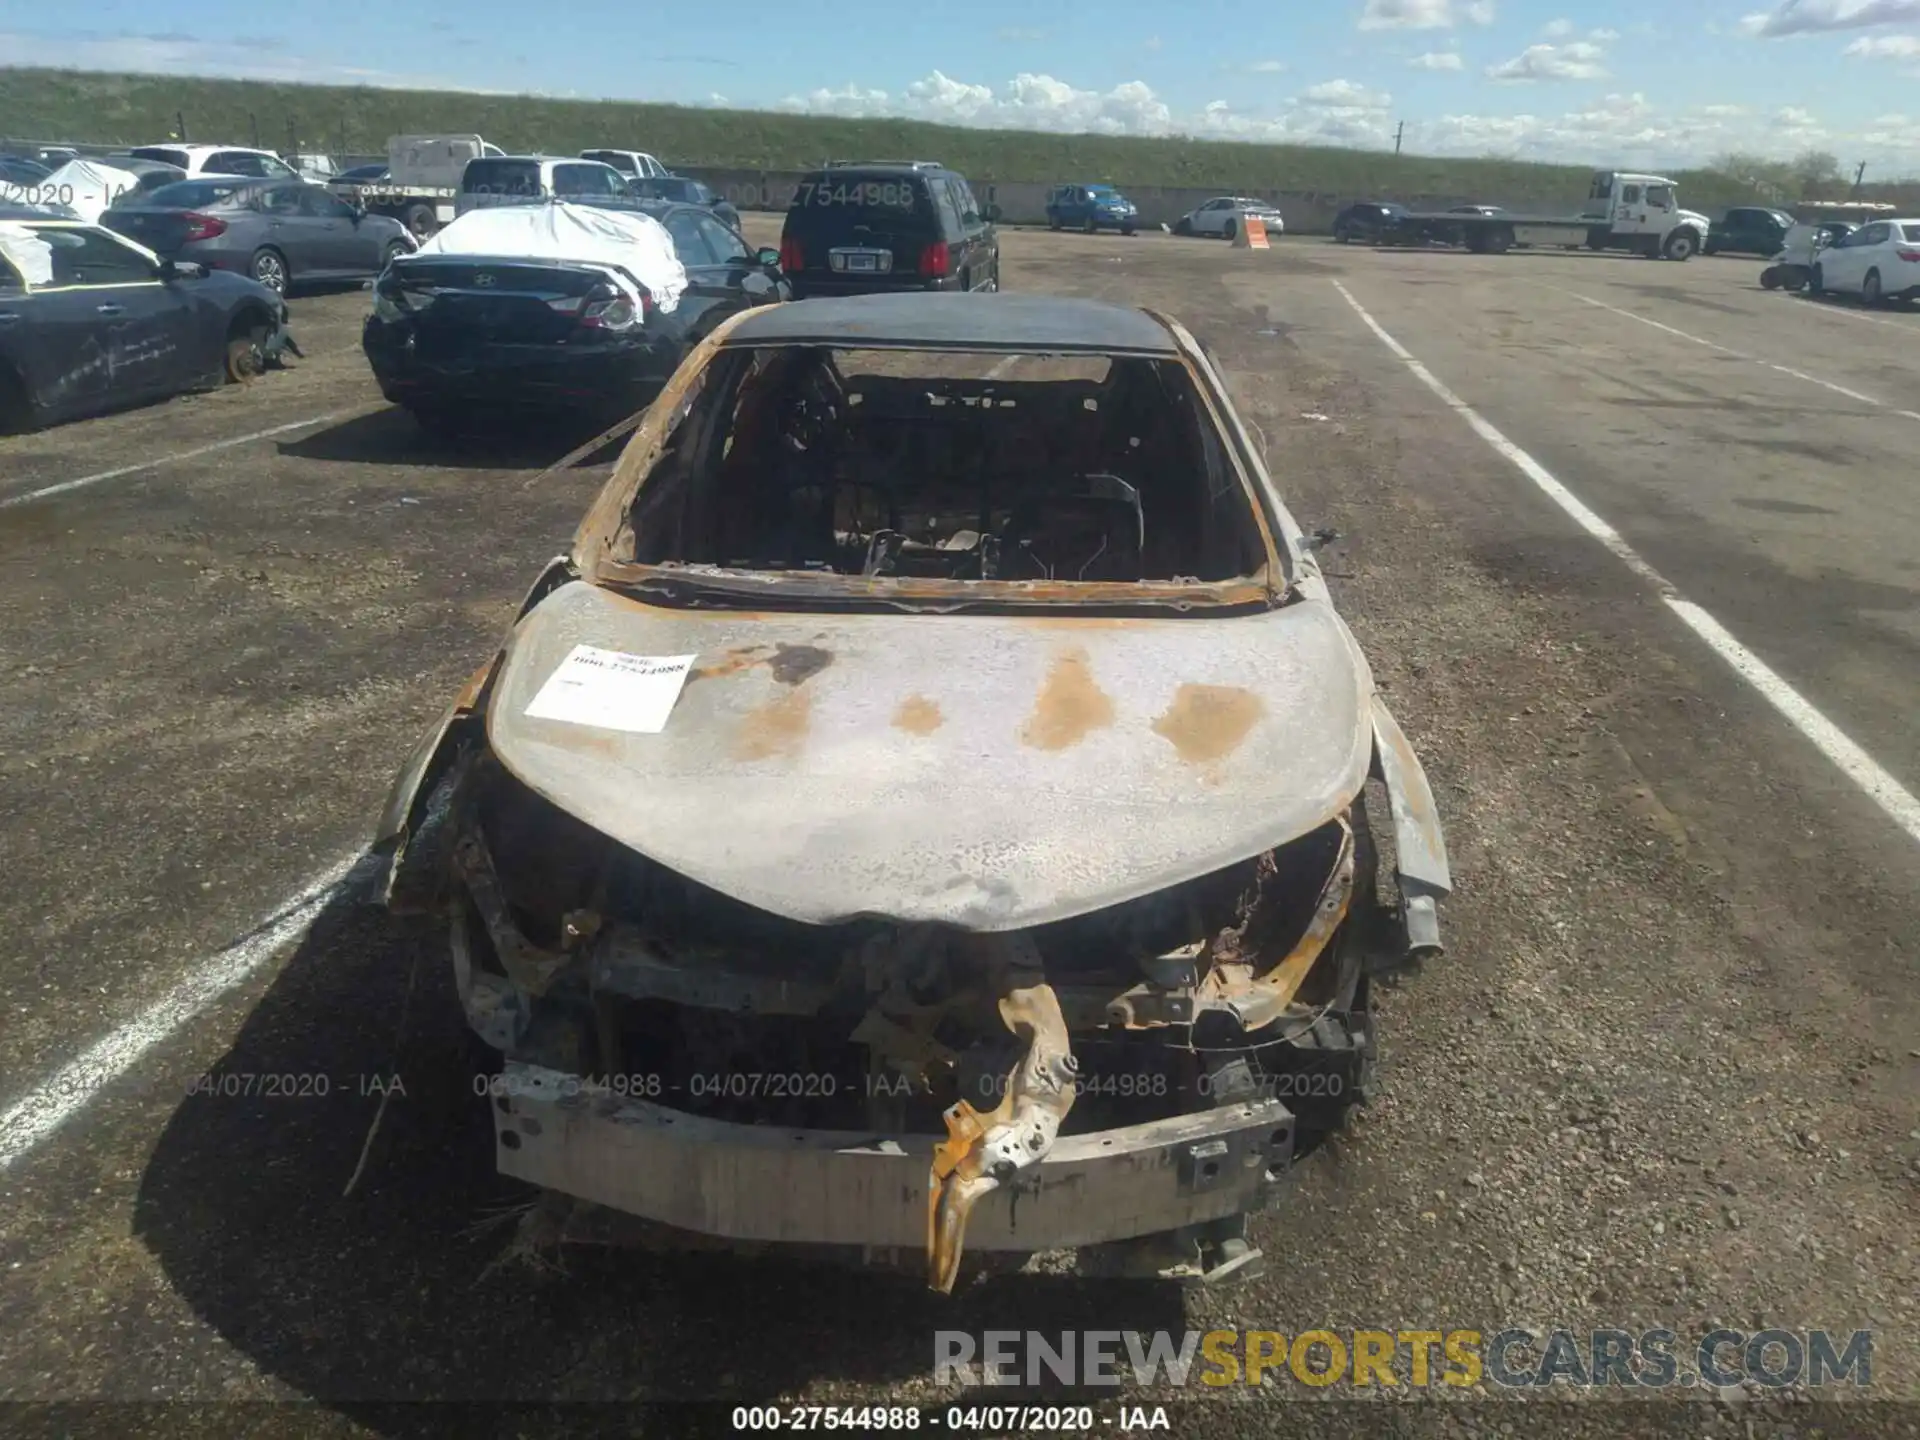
column 1023, row 202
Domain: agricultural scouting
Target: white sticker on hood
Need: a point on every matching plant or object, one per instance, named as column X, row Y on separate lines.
column 612, row 691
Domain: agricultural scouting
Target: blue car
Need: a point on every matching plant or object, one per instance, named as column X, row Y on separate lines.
column 1089, row 208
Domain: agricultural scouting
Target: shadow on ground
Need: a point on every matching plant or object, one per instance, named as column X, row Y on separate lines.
column 393, row 437
column 410, row 1289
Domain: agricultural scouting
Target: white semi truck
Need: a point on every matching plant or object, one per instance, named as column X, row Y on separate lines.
column 422, row 181
column 1624, row 211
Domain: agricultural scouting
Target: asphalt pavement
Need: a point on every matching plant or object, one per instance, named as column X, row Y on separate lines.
column 1632, row 547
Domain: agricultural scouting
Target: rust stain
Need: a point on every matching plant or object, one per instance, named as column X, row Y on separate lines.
column 1069, row 705
column 797, row 664
column 917, row 715
column 1208, row 722
column 777, row 728
column 789, row 664
column 741, row 657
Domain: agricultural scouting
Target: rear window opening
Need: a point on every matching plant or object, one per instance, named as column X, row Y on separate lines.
column 162, row 154
column 194, row 194
column 501, row 177
column 938, row 465
column 837, row 204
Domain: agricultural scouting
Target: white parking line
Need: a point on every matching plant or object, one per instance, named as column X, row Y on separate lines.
column 65, row 485
column 33, row 1117
column 1737, row 354
column 1855, row 763
column 1819, row 307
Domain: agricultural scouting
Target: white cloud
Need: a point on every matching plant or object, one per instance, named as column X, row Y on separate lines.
column 1438, row 60
column 1020, row 34
column 179, row 54
column 1558, row 29
column 1801, row 17
column 1630, row 130
column 1267, row 67
column 1627, row 130
column 1152, row 43
column 1576, row 60
column 1603, row 36
column 1027, row 102
column 1336, row 112
column 1424, row 14
column 1346, row 94
column 1885, row 47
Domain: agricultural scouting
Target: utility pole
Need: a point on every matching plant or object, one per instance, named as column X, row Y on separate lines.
column 1858, row 176
column 1399, row 130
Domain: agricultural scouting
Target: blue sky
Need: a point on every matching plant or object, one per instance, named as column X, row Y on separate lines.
column 1629, row 82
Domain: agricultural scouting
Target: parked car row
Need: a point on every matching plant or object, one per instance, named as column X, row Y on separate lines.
column 586, row 302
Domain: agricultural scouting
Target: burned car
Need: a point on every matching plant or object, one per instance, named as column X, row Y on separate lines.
column 927, row 809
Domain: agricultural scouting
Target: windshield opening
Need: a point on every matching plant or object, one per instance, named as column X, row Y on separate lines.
column 951, row 466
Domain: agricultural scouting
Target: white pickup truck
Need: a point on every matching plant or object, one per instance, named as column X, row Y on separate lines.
column 1624, row 211
column 422, row 181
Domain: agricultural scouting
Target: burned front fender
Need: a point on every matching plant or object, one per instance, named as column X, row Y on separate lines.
column 1420, row 848
column 429, row 762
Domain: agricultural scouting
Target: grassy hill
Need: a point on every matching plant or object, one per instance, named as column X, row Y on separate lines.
column 76, row 106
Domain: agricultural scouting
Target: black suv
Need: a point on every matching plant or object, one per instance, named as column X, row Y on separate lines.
column 1748, row 230
column 870, row 227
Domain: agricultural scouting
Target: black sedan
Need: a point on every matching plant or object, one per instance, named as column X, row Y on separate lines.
column 679, row 190
column 90, row 322
column 1370, row 220
column 455, row 336
column 17, row 170
column 279, row 232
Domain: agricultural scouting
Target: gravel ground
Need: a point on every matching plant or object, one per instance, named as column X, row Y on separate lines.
column 1665, row 1075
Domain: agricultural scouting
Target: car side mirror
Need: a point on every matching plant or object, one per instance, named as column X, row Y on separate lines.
column 767, row 257
column 357, row 212
column 993, row 214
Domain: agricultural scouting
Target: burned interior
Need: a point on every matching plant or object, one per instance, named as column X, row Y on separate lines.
column 837, row 953
column 948, row 466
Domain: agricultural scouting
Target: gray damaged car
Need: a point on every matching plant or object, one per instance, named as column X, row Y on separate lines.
column 932, row 808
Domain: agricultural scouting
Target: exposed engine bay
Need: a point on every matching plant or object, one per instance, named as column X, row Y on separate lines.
column 578, row 956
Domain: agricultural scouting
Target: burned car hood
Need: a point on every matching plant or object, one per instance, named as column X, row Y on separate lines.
column 987, row 772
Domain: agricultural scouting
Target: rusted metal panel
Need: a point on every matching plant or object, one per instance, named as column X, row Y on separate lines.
column 1072, row 769
column 1043, row 324
column 771, row 1184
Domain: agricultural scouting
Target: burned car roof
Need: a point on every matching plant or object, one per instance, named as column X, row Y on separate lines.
column 986, row 322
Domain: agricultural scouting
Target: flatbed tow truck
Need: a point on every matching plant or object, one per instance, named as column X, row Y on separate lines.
column 1624, row 211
